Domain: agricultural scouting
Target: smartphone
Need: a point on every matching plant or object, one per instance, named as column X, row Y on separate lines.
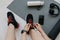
column 41, row 19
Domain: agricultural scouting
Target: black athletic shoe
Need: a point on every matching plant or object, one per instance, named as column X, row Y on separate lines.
column 12, row 20
column 29, row 19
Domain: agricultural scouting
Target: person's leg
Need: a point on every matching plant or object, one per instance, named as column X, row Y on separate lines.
column 12, row 25
column 35, row 35
column 10, row 33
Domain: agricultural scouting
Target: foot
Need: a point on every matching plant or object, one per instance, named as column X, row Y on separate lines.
column 12, row 20
column 29, row 19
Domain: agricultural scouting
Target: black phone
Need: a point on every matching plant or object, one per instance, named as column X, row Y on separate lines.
column 41, row 19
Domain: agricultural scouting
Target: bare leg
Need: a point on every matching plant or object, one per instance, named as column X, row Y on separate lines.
column 10, row 33
column 35, row 36
column 44, row 35
column 26, row 29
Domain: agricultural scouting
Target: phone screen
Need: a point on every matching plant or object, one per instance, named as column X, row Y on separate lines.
column 41, row 19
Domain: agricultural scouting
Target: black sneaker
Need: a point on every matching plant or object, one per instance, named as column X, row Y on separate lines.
column 29, row 19
column 12, row 20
